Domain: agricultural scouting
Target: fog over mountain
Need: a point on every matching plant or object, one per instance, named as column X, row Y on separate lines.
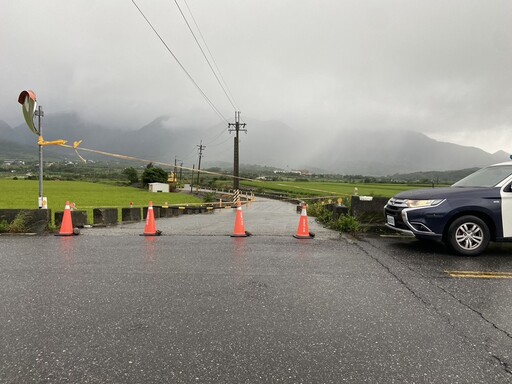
column 371, row 152
column 325, row 68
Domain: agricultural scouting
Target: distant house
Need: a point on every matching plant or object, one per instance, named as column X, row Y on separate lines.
column 303, row 172
column 158, row 187
column 14, row 162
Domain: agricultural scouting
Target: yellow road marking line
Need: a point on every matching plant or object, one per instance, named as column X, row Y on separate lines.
column 480, row 274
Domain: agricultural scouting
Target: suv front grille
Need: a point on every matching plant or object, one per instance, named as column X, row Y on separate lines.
column 394, row 208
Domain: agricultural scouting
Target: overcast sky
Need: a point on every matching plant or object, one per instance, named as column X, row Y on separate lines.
column 440, row 67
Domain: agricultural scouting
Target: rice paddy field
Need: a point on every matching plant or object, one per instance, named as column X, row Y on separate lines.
column 330, row 189
column 23, row 194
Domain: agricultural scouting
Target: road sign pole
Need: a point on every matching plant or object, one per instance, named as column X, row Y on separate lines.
column 39, row 113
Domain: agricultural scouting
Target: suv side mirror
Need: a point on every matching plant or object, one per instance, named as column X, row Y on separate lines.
column 508, row 188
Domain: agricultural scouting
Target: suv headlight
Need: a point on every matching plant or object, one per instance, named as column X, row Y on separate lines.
column 422, row 203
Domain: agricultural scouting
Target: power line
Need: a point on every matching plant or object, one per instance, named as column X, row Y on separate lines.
column 210, row 141
column 222, row 142
column 223, row 86
column 190, row 154
column 180, row 64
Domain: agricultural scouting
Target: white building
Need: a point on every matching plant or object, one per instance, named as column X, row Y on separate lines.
column 158, row 187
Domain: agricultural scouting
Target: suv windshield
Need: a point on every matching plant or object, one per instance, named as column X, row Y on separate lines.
column 485, row 177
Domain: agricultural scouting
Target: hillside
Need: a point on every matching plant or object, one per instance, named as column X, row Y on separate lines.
column 267, row 143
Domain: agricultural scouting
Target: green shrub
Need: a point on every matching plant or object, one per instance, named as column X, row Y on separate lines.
column 316, row 209
column 4, row 226
column 131, row 174
column 19, row 224
column 209, row 198
column 52, row 227
column 346, row 223
column 153, row 175
column 343, row 223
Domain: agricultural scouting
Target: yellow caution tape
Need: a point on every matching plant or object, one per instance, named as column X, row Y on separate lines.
column 131, row 158
column 44, row 143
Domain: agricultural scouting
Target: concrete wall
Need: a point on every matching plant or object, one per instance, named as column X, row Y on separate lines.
column 36, row 220
column 337, row 209
column 105, row 216
column 130, row 215
column 169, row 211
column 78, row 218
column 156, row 212
column 368, row 210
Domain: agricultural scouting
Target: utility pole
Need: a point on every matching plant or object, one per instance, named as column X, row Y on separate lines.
column 39, row 113
column 201, row 147
column 192, row 178
column 236, row 164
column 176, row 168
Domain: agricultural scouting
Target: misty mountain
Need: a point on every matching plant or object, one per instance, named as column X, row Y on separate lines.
column 368, row 152
column 378, row 153
column 13, row 149
column 267, row 143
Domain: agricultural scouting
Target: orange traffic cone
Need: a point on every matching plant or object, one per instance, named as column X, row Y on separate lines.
column 66, row 228
column 303, row 229
column 150, row 229
column 239, row 223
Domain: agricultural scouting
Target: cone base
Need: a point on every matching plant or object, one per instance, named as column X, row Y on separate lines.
column 240, row 235
column 64, row 234
column 150, row 234
column 303, row 236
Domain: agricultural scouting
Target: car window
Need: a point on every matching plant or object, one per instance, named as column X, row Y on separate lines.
column 486, row 177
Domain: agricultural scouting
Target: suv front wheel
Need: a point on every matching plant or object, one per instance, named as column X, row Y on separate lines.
column 468, row 236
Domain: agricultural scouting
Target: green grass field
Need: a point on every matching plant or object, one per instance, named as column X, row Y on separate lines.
column 24, row 194
column 334, row 189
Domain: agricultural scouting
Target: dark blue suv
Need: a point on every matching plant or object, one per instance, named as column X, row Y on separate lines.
column 465, row 216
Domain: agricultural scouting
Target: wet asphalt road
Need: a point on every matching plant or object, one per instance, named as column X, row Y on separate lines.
column 197, row 306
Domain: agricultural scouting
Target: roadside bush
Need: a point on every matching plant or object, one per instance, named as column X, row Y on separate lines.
column 52, row 228
column 18, row 225
column 212, row 184
column 322, row 215
column 209, row 198
column 315, row 209
column 344, row 223
column 4, row 226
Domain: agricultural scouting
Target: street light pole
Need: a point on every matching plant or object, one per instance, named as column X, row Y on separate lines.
column 39, row 113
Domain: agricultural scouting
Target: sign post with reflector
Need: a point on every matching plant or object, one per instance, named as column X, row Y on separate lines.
column 28, row 101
